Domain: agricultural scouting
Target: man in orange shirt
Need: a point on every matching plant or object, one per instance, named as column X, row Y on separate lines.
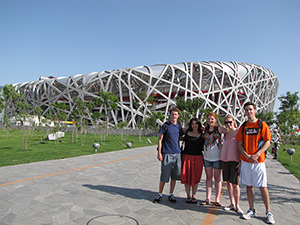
column 253, row 168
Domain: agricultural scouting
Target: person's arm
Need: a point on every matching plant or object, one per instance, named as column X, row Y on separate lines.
column 261, row 151
column 159, row 154
column 181, row 137
column 223, row 129
column 243, row 151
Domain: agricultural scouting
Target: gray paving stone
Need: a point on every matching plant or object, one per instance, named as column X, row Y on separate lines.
column 125, row 187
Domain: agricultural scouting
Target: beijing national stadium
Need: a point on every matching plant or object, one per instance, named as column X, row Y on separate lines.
column 223, row 86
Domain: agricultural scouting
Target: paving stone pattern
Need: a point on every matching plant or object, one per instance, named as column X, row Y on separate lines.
column 118, row 188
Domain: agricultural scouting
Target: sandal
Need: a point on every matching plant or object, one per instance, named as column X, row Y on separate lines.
column 204, row 202
column 188, row 200
column 194, row 200
column 217, row 204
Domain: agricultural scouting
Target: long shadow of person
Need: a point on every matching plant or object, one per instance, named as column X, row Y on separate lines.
column 139, row 194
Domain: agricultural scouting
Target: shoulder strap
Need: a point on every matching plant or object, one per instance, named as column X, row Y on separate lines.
column 166, row 127
column 180, row 129
column 243, row 129
column 260, row 125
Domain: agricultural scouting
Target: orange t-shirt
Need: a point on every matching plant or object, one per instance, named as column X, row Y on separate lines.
column 252, row 134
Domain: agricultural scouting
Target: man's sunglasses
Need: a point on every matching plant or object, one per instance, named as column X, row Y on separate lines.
column 226, row 122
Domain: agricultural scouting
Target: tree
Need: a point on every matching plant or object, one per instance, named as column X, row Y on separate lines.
column 121, row 125
column 151, row 121
column 27, row 123
column 267, row 117
column 96, row 117
column 109, row 101
column 8, row 103
column 189, row 108
column 80, row 113
column 288, row 118
column 148, row 102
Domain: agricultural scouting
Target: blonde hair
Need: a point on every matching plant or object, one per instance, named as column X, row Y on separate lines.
column 229, row 117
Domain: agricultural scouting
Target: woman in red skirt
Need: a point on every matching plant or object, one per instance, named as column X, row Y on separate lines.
column 192, row 159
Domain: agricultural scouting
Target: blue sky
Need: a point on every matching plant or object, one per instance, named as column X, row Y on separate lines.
column 68, row 37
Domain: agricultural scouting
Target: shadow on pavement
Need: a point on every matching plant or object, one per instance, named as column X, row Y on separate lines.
column 136, row 193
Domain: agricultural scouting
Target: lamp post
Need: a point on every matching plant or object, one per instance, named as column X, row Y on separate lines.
column 96, row 146
column 291, row 151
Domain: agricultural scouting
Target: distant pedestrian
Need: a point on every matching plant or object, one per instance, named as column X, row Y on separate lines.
column 253, row 168
column 276, row 143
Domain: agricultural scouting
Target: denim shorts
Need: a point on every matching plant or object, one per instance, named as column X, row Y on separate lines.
column 215, row 165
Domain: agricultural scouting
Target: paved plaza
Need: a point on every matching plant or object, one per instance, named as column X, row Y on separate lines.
column 118, row 188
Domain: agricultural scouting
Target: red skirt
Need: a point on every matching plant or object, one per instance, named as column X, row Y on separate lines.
column 191, row 169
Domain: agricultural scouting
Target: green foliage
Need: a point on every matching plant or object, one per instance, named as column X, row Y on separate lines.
column 12, row 154
column 151, row 121
column 107, row 100
column 288, row 118
column 267, row 117
column 189, row 108
column 8, row 103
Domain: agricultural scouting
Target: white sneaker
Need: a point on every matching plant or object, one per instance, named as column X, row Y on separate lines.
column 249, row 214
column 227, row 208
column 270, row 218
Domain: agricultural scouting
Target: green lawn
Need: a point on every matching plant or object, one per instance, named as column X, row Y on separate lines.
column 12, row 153
column 285, row 159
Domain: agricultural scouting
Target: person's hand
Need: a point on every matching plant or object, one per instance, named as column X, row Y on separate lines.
column 159, row 157
column 253, row 158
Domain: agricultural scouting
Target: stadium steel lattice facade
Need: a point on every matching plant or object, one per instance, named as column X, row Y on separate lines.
column 224, row 87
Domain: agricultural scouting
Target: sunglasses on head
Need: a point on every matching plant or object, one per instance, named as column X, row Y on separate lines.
column 227, row 122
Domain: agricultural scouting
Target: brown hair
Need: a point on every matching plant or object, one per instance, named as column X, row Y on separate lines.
column 175, row 109
column 249, row 103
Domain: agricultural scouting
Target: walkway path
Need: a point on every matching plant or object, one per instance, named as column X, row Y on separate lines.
column 118, row 188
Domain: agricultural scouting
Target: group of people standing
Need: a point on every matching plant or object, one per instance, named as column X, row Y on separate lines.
column 227, row 149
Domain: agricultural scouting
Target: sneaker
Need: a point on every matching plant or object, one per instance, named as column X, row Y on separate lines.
column 157, row 199
column 172, row 198
column 230, row 207
column 249, row 214
column 270, row 218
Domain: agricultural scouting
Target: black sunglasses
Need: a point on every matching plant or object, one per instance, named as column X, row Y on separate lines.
column 226, row 122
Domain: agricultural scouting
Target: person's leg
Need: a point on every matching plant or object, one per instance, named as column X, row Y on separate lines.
column 209, row 174
column 218, row 184
column 250, row 196
column 266, row 197
column 161, row 187
column 276, row 151
column 194, row 190
column 172, row 186
column 236, row 194
column 188, row 190
column 230, row 194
